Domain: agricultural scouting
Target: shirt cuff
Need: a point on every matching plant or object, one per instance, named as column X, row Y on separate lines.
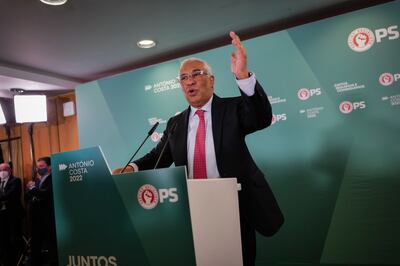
column 247, row 85
column 134, row 166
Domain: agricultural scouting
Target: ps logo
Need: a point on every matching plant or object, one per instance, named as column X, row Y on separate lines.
column 387, row 79
column 391, row 33
column 148, row 196
column 361, row 39
column 347, row 107
column 277, row 118
column 304, row 93
column 169, row 194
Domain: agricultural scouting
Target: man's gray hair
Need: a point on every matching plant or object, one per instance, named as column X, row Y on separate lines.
column 206, row 65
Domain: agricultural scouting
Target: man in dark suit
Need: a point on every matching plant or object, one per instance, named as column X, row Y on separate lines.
column 11, row 214
column 209, row 138
column 41, row 207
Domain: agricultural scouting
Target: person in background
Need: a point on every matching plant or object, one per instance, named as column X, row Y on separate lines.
column 41, row 205
column 11, row 214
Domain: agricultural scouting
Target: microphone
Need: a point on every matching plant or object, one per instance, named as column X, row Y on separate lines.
column 151, row 131
column 166, row 142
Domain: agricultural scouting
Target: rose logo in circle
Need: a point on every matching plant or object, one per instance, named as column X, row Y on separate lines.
column 147, row 196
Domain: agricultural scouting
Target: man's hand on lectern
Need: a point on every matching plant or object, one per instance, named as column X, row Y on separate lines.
column 129, row 169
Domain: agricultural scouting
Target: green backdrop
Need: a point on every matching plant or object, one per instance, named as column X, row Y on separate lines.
column 332, row 154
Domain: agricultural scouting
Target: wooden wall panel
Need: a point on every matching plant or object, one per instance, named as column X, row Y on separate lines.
column 58, row 134
column 67, row 126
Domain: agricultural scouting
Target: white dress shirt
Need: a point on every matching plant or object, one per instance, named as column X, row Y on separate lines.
column 4, row 182
column 211, row 162
column 247, row 86
column 3, row 186
column 43, row 178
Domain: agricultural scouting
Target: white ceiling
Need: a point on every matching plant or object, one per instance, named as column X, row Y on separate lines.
column 55, row 48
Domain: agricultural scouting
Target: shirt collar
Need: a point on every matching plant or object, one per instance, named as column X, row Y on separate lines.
column 44, row 177
column 5, row 180
column 206, row 107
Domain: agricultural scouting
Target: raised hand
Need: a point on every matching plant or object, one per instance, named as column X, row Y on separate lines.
column 238, row 58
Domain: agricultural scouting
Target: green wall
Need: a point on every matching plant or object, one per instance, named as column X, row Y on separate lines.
column 336, row 175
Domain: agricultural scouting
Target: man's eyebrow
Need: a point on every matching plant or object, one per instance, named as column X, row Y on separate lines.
column 196, row 69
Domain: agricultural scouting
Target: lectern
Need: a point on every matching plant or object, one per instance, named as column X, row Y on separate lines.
column 154, row 217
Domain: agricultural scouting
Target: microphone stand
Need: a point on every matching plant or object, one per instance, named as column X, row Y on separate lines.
column 165, row 144
column 32, row 150
column 148, row 135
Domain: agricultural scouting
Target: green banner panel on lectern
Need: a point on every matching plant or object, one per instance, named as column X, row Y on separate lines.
column 138, row 218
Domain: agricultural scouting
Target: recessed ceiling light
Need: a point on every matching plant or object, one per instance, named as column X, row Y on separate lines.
column 54, row 2
column 17, row 90
column 146, row 44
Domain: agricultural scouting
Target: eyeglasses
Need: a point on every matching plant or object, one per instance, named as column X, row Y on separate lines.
column 195, row 75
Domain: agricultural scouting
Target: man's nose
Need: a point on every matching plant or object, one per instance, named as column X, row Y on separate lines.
column 190, row 80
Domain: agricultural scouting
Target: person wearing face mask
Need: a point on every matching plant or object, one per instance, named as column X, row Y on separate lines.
column 42, row 219
column 11, row 214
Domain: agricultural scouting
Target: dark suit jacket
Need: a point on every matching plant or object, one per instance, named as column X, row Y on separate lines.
column 12, row 198
column 41, row 205
column 232, row 119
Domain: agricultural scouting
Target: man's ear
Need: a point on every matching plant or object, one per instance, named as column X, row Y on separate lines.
column 212, row 80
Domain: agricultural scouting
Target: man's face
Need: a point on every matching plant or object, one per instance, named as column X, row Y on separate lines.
column 42, row 165
column 3, row 167
column 199, row 89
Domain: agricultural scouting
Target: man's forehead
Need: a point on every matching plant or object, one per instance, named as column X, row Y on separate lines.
column 192, row 65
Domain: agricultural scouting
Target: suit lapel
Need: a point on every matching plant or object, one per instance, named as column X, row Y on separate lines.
column 8, row 184
column 217, row 115
column 181, row 133
column 180, row 137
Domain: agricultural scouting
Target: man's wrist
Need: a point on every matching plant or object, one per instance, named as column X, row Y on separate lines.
column 247, row 85
column 134, row 167
column 243, row 75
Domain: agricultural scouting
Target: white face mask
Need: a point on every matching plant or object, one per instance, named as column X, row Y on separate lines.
column 4, row 174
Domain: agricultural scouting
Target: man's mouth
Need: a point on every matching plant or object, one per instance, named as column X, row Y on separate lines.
column 192, row 92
